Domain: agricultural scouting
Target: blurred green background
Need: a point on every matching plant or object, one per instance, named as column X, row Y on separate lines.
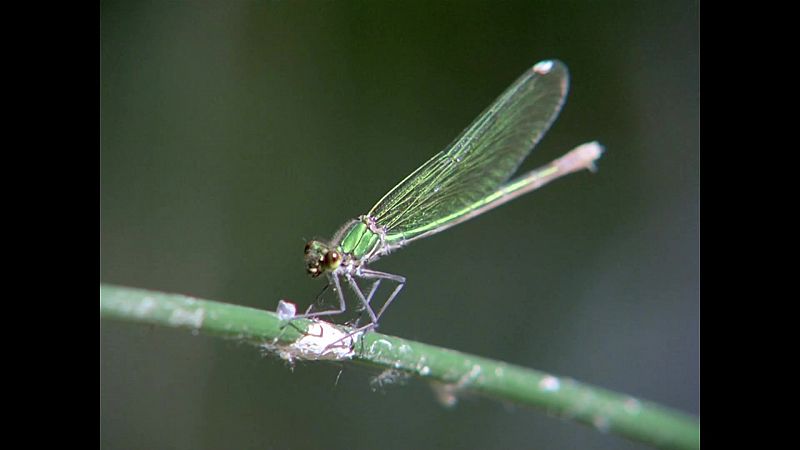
column 234, row 131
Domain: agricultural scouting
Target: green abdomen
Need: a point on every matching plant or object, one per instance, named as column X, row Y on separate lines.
column 359, row 240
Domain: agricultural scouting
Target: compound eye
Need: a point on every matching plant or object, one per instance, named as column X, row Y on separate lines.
column 308, row 247
column 332, row 258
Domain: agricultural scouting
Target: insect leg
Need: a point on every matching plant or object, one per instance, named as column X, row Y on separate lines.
column 318, row 300
column 378, row 276
column 400, row 280
column 363, row 299
column 369, row 299
column 332, row 279
column 374, row 320
column 373, row 289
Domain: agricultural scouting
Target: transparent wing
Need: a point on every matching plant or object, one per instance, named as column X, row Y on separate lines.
column 482, row 158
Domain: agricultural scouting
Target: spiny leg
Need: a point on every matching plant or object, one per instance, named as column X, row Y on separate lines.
column 400, row 280
column 378, row 276
column 332, row 278
column 369, row 299
column 373, row 289
column 319, row 297
column 363, row 299
column 365, row 303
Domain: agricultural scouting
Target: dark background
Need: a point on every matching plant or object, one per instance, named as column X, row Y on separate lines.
column 234, row 131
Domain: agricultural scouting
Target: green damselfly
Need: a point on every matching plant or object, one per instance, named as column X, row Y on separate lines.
column 468, row 178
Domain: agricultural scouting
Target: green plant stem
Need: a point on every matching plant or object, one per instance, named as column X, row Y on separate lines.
column 453, row 373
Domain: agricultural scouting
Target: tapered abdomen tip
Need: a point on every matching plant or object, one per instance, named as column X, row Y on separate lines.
column 590, row 150
column 581, row 157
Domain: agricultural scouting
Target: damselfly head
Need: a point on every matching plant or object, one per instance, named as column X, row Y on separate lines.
column 320, row 258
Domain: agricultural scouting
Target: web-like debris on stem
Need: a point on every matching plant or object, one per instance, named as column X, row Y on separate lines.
column 321, row 341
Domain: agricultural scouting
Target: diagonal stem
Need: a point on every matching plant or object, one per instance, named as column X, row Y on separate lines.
column 454, row 372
